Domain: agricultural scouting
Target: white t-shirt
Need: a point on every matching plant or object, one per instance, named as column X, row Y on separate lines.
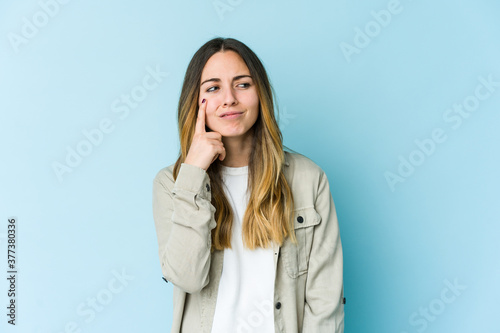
column 246, row 290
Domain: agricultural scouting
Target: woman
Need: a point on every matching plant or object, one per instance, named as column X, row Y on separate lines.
column 247, row 232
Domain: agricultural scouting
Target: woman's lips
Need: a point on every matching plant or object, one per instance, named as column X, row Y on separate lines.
column 232, row 116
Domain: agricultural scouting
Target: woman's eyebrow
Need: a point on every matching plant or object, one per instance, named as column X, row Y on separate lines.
column 218, row 80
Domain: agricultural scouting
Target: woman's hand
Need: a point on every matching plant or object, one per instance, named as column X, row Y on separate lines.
column 206, row 146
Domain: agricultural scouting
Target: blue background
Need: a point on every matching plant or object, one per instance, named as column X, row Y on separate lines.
column 402, row 243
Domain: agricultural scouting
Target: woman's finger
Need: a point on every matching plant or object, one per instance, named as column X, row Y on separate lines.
column 200, row 120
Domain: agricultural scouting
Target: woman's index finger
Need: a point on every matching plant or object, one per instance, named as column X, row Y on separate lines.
column 200, row 121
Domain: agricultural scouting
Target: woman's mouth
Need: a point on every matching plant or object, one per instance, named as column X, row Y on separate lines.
column 232, row 116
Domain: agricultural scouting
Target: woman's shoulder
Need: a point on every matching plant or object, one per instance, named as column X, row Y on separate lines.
column 165, row 174
column 300, row 163
column 305, row 177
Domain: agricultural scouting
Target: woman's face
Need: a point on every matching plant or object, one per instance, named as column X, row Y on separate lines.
column 227, row 87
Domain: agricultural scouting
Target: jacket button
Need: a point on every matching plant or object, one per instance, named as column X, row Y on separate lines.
column 278, row 305
column 300, row 219
column 208, row 187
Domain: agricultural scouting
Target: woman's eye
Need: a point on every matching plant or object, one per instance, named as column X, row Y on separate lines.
column 242, row 85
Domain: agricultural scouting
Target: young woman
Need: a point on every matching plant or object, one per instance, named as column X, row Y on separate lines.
column 247, row 232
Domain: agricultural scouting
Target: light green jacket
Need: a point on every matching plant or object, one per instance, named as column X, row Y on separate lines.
column 308, row 293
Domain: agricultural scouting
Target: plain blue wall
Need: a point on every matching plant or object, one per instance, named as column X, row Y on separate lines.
column 380, row 84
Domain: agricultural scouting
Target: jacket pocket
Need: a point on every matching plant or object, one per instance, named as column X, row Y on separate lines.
column 296, row 256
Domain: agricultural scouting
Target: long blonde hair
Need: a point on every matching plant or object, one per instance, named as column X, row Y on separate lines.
column 269, row 214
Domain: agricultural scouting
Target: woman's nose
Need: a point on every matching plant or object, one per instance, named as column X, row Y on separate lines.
column 229, row 97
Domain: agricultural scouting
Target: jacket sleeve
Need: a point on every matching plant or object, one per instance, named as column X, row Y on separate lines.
column 184, row 217
column 324, row 308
